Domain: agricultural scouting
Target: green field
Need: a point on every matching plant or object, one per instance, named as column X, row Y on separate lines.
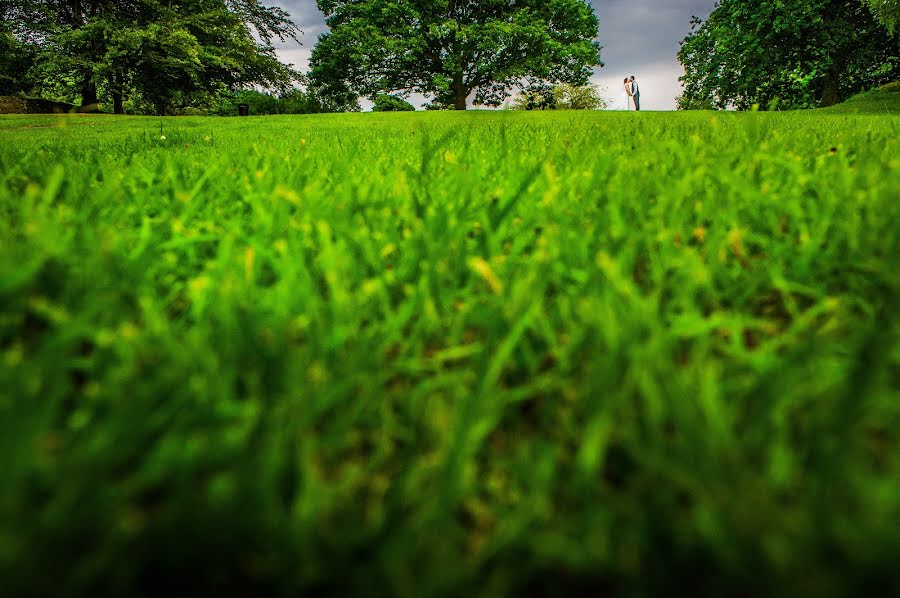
column 451, row 354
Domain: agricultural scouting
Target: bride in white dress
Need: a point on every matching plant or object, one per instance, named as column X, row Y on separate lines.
column 625, row 102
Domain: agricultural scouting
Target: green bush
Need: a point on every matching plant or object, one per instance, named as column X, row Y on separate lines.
column 535, row 97
column 559, row 97
column 298, row 101
column 578, row 97
column 389, row 103
column 295, row 101
column 192, row 111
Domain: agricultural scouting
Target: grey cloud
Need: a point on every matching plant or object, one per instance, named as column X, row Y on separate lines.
column 639, row 37
column 304, row 13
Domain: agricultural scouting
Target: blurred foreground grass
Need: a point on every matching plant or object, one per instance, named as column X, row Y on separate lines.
column 431, row 354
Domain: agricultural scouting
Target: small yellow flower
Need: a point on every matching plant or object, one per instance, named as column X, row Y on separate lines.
column 699, row 234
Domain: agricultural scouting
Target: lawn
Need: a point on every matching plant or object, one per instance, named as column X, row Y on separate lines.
column 451, row 354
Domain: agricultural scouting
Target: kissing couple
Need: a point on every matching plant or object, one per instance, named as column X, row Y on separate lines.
column 632, row 95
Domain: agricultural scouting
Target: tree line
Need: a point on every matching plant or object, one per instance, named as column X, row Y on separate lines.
column 162, row 56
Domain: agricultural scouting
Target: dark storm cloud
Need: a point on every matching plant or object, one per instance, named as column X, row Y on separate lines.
column 639, row 37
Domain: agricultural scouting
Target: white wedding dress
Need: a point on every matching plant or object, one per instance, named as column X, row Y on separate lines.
column 624, row 102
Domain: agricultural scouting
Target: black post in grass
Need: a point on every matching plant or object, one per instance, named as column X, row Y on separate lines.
column 243, row 109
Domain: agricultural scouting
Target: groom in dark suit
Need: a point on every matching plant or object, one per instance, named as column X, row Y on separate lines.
column 636, row 94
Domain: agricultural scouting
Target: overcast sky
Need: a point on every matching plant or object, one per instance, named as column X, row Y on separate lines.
column 639, row 37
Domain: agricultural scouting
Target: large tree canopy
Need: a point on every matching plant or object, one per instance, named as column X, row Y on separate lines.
column 887, row 12
column 800, row 53
column 450, row 49
column 162, row 50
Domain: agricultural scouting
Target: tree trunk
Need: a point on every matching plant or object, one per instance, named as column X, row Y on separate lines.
column 460, row 94
column 118, row 105
column 832, row 93
column 89, row 97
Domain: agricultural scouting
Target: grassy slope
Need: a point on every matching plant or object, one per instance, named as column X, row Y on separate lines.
column 879, row 101
column 430, row 353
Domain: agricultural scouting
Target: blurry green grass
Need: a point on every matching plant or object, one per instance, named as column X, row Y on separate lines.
column 429, row 354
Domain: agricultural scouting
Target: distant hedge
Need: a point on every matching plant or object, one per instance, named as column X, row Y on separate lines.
column 295, row 101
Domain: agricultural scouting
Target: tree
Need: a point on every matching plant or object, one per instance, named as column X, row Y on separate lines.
column 887, row 12
column 793, row 53
column 451, row 49
column 162, row 50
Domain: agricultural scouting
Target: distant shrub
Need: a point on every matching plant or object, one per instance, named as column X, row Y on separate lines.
column 535, row 97
column 388, row 103
column 578, row 97
column 895, row 86
column 560, row 97
column 298, row 101
column 295, row 101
